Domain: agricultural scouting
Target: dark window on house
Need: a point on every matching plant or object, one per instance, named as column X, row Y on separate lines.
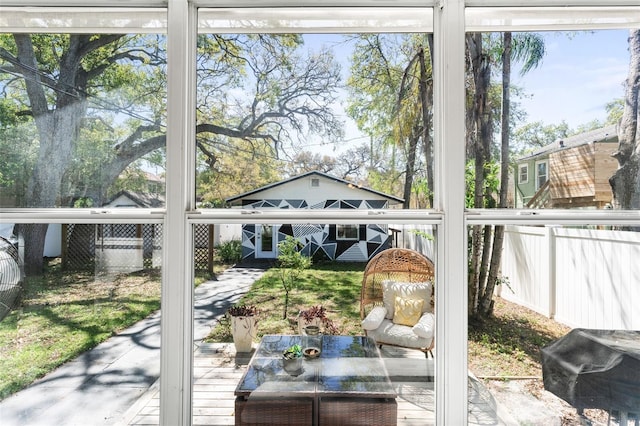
column 541, row 173
column 347, row 232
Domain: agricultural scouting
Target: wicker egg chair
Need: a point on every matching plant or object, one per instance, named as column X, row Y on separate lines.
column 396, row 264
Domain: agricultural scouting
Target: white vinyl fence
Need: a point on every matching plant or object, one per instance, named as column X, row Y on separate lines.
column 416, row 237
column 582, row 278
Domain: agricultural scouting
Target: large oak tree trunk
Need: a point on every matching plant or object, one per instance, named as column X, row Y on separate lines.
column 625, row 182
column 57, row 129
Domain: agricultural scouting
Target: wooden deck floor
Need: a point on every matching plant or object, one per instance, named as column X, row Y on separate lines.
column 217, row 372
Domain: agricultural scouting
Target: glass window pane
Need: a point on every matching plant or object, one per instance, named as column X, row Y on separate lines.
column 317, row 120
column 81, row 339
column 83, row 124
column 565, row 101
column 353, row 108
column 347, row 232
column 563, row 303
column 312, row 278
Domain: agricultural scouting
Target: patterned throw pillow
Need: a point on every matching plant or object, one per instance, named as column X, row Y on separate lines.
column 407, row 311
column 391, row 289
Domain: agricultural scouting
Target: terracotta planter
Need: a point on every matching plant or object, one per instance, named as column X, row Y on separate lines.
column 244, row 330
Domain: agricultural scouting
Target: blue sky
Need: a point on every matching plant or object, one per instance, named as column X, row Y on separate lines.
column 580, row 73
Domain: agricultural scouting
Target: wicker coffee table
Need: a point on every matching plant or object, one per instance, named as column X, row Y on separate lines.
column 347, row 384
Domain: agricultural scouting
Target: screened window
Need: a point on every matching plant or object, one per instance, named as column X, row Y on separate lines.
column 85, row 126
column 406, row 112
column 83, row 94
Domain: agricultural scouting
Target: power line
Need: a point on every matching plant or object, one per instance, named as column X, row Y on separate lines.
column 75, row 91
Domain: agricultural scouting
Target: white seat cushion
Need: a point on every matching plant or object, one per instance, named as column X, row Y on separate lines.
column 399, row 335
column 374, row 318
column 425, row 326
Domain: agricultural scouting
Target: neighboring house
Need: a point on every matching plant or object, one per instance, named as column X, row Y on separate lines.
column 136, row 199
column 572, row 172
column 315, row 190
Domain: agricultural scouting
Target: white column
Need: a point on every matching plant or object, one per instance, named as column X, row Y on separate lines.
column 177, row 281
column 451, row 279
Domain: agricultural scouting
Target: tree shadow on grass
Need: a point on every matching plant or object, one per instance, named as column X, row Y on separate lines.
column 515, row 331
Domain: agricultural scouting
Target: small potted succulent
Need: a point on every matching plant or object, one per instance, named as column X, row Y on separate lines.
column 292, row 359
column 244, row 326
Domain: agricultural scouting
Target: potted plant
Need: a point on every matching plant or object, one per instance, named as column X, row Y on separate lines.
column 292, row 359
column 316, row 316
column 244, row 326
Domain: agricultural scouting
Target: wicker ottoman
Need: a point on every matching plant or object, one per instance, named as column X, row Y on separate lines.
column 274, row 411
column 357, row 411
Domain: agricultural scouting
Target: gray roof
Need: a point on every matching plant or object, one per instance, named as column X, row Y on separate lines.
column 603, row 134
column 304, row 175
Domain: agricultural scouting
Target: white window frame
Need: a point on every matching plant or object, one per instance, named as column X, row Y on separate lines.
column 450, row 23
column 538, row 175
column 523, row 168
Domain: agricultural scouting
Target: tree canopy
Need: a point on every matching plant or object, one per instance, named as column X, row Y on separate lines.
column 80, row 109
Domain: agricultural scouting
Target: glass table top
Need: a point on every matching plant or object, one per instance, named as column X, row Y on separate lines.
column 347, row 366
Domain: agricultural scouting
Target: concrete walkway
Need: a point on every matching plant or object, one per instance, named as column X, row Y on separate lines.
column 99, row 386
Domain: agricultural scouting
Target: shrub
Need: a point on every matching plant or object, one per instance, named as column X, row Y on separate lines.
column 230, row 251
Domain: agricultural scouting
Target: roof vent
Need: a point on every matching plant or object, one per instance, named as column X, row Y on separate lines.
column 315, row 182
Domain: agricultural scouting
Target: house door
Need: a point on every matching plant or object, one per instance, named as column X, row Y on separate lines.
column 265, row 242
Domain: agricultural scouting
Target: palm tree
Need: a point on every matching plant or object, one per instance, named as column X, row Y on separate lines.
column 486, row 255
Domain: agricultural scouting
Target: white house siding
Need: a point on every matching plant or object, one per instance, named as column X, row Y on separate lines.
column 320, row 192
column 316, row 196
column 582, row 278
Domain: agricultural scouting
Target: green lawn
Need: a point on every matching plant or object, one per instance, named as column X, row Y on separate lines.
column 336, row 286
column 64, row 314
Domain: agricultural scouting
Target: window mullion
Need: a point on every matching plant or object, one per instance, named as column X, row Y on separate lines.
column 177, row 292
column 451, row 291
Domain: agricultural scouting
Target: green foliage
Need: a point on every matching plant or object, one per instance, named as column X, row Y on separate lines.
column 289, row 256
column 293, row 352
column 614, row 111
column 251, row 166
column 537, row 134
column 385, row 100
column 491, row 182
column 230, row 251
column 83, row 202
column 427, row 236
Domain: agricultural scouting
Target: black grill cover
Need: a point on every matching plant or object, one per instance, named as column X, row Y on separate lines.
column 595, row 369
